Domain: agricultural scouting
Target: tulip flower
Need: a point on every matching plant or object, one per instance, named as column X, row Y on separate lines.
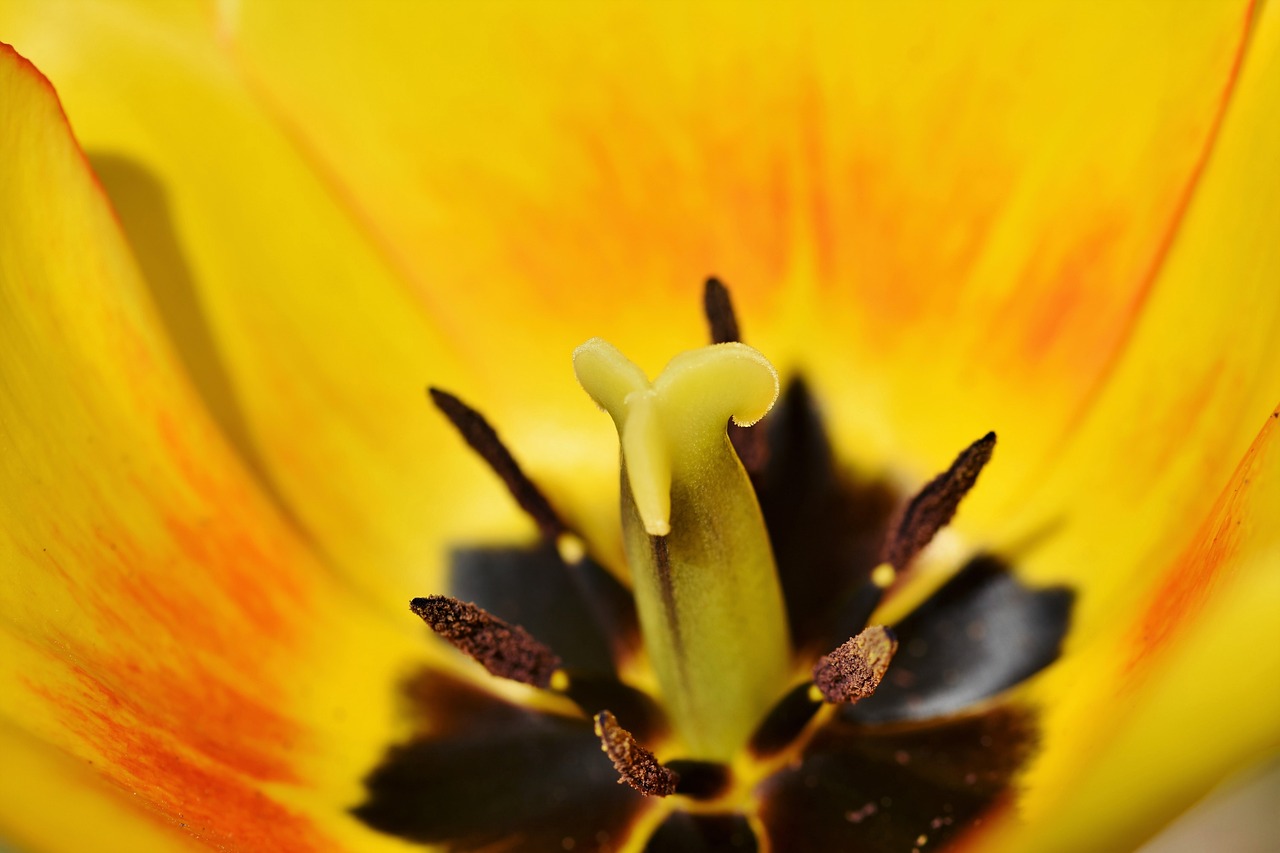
column 239, row 241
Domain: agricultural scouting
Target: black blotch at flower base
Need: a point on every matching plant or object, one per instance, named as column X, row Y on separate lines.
column 921, row 761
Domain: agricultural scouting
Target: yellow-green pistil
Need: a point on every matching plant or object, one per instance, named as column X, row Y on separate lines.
column 702, row 568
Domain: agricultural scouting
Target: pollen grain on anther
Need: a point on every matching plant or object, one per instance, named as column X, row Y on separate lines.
column 935, row 504
column 505, row 650
column 636, row 765
column 853, row 671
column 484, row 440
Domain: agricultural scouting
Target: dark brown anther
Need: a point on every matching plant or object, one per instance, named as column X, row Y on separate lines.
column 853, row 671
column 636, row 765
column 720, row 316
column 750, row 443
column 484, row 440
column 934, row 505
column 507, row 651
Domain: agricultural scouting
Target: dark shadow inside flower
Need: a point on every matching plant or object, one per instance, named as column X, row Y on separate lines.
column 142, row 206
column 826, row 527
column 896, row 788
column 573, row 609
column 690, row 833
column 487, row 774
column 978, row 634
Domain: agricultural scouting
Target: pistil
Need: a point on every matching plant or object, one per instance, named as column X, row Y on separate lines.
column 706, row 588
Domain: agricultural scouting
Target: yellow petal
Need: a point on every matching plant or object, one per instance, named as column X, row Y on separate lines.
column 1166, row 684
column 1147, row 714
column 285, row 309
column 190, row 667
column 952, row 214
column 1237, row 815
column 1181, row 404
column 35, row 772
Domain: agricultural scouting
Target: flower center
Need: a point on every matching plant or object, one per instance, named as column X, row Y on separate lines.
column 704, row 584
column 750, row 731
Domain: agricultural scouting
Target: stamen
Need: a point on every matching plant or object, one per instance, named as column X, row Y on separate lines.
column 720, row 315
column 484, row 440
column 752, row 445
column 935, row 504
column 853, row 671
column 507, row 651
column 636, row 765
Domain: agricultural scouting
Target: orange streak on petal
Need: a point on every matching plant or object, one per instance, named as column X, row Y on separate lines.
column 196, row 728
column 1128, row 312
column 1067, row 306
column 213, row 802
column 159, row 606
column 1207, row 563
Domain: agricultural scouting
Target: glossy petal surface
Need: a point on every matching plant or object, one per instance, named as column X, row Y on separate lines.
column 1192, row 666
column 174, row 653
column 1188, row 426
column 303, row 342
